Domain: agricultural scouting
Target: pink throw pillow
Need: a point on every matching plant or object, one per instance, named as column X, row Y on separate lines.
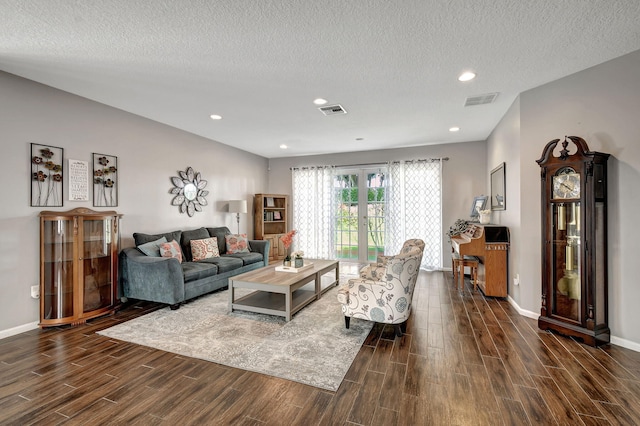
column 237, row 243
column 171, row 249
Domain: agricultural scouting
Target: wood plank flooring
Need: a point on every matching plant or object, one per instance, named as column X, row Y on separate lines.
column 465, row 360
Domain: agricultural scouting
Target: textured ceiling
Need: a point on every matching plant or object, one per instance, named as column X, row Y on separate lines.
column 393, row 65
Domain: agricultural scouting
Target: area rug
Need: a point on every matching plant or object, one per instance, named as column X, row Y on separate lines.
column 313, row 348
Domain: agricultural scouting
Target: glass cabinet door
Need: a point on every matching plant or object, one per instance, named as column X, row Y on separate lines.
column 97, row 264
column 57, row 264
column 566, row 267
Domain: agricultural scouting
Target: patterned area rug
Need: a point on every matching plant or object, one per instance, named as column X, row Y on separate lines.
column 314, row 348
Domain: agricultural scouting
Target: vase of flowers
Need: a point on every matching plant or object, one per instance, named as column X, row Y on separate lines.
column 485, row 216
column 287, row 240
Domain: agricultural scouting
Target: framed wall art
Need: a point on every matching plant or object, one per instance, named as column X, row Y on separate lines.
column 46, row 176
column 105, row 180
column 78, row 177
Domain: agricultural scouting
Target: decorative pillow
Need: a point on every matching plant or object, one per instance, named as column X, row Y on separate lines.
column 205, row 248
column 237, row 243
column 171, row 249
column 152, row 248
column 185, row 242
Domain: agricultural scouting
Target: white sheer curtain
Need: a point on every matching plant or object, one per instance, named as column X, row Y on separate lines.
column 414, row 208
column 313, row 211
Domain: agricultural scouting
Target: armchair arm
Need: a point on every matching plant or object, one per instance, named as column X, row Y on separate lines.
column 156, row 279
column 382, row 259
column 260, row 246
column 373, row 271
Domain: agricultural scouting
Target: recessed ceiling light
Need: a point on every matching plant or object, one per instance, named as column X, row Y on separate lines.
column 319, row 101
column 215, row 117
column 454, row 129
column 283, row 146
column 466, row 76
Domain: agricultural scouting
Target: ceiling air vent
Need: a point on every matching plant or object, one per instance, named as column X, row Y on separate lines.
column 332, row 109
column 487, row 98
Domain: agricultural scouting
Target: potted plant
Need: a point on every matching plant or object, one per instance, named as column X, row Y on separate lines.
column 457, row 228
column 298, row 262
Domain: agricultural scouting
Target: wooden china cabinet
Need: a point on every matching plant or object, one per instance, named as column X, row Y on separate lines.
column 574, row 241
column 78, row 265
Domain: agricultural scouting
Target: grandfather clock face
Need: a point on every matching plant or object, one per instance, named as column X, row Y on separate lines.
column 566, row 184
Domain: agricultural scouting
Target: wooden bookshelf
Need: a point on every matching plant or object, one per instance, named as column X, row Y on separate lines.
column 271, row 221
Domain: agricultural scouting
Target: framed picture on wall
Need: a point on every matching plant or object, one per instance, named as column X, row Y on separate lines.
column 105, row 180
column 46, row 176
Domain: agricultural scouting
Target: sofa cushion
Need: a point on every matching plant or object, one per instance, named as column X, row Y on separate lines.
column 152, row 248
column 224, row 263
column 171, row 249
column 220, row 233
column 198, row 270
column 204, row 248
column 187, row 236
column 247, row 258
column 237, row 243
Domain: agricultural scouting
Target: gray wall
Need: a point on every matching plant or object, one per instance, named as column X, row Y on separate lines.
column 503, row 145
column 601, row 105
column 463, row 175
column 148, row 154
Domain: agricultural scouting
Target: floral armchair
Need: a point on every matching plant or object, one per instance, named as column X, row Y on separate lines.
column 377, row 271
column 387, row 299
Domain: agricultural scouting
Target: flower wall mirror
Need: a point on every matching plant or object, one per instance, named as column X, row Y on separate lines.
column 189, row 191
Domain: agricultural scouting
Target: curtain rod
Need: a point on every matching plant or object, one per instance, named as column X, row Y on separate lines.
column 374, row 164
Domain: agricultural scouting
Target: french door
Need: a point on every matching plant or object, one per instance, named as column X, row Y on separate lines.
column 359, row 214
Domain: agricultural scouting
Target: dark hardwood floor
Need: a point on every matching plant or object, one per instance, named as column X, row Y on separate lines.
column 465, row 360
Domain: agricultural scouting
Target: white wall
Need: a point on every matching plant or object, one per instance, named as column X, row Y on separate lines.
column 463, row 175
column 601, row 105
column 148, row 154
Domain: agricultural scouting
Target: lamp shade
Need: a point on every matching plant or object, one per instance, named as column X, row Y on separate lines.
column 237, row 206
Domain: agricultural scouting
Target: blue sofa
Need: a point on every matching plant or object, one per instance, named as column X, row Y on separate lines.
column 166, row 280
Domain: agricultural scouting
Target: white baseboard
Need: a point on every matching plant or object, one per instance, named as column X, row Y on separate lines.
column 17, row 330
column 628, row 344
column 523, row 312
column 625, row 343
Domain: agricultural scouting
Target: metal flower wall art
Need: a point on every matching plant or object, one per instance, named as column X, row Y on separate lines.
column 46, row 176
column 105, row 179
column 189, row 191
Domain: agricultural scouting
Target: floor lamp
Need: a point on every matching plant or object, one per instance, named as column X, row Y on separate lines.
column 237, row 207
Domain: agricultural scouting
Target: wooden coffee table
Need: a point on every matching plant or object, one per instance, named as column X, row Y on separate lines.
column 282, row 293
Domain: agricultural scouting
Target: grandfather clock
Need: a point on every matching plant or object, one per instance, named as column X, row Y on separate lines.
column 574, row 241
